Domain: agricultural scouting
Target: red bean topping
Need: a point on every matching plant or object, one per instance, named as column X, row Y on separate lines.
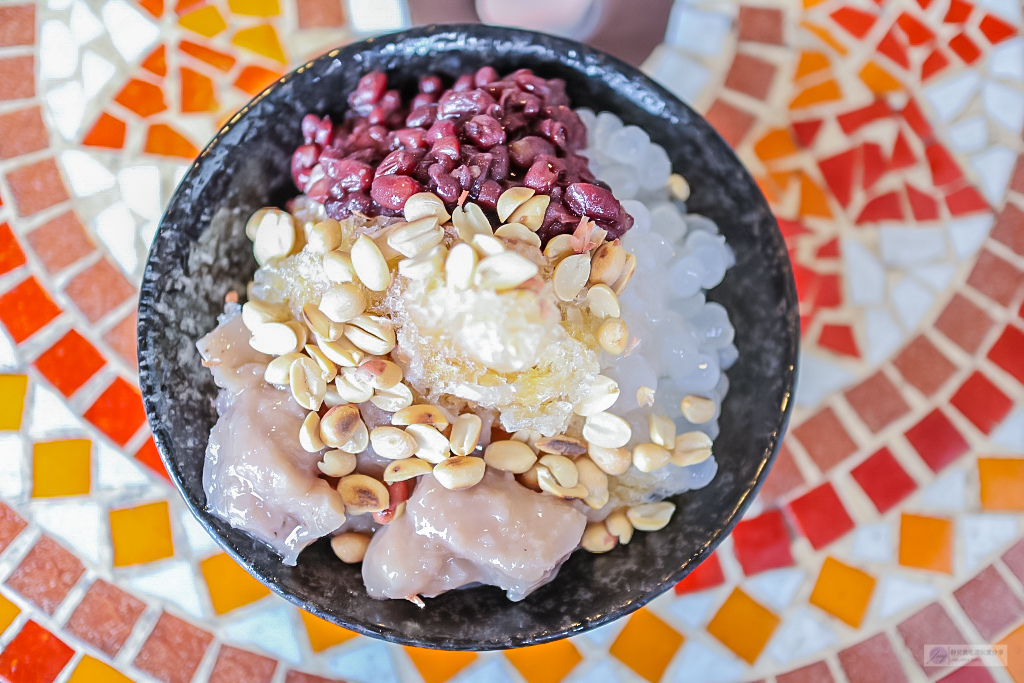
column 392, row 191
column 485, row 131
column 585, row 199
column 399, row 162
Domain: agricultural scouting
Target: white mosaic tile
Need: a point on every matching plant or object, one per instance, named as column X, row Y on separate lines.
column 8, row 356
column 896, row 594
column 937, row 276
column 140, row 190
column 1010, row 434
column 1009, row 10
column 911, row 300
column 270, row 629
column 865, row 275
column 96, row 73
column 873, row 543
column 490, row 669
column 130, row 31
column 697, row 31
column 12, row 463
column 115, row 226
column 1005, row 106
column 1006, row 60
column 376, row 16
column 86, row 175
column 969, row 135
column 81, row 525
column 705, row 662
column 66, row 104
column 371, row 663
column 883, row 334
column 198, row 539
column 683, row 76
column 49, row 417
column 967, row 234
column 116, row 471
column 994, row 167
column 947, row 493
column 597, row 670
column 173, row 581
column 694, row 609
column 983, row 535
column 604, row 636
column 776, row 588
column 801, row 634
column 84, row 24
column 817, row 378
column 914, row 246
column 58, row 5
column 58, row 57
column 950, row 96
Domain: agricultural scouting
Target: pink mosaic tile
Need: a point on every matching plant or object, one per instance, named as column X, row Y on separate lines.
column 17, row 25
column 239, row 666
column 1014, row 559
column 989, row 603
column 36, row 186
column 17, row 77
column 1009, row 227
column 22, row 131
column 99, row 289
column 964, row 322
column 825, row 439
column 760, row 25
column 11, row 524
column 923, row 365
column 871, row 661
column 877, row 401
column 46, row 574
column 812, row 673
column 173, row 650
column 60, row 242
column 996, row 278
column 105, row 617
column 929, row 626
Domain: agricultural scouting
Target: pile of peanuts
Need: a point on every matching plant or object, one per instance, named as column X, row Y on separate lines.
column 337, row 357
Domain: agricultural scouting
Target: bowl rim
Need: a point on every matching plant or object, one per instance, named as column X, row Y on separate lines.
column 789, row 366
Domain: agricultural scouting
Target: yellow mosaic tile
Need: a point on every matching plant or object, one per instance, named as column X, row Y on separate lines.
column 8, row 613
column 843, row 591
column 743, row 626
column 91, row 670
column 61, row 468
column 437, row 666
column 646, row 644
column 262, row 40
column 547, row 663
column 229, row 586
column 255, row 8
column 323, row 634
column 206, row 21
column 141, row 534
column 12, row 400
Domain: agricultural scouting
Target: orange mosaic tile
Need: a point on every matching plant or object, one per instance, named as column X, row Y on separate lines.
column 218, row 60
column 164, row 140
column 60, row 242
column 810, row 62
column 154, row 7
column 141, row 97
column 12, row 400
column 90, row 670
column 117, row 412
column 36, row 187
column 206, row 21
column 856, row 21
column 197, row 92
column 255, row 8
column 1001, row 484
column 99, row 289
column 1014, row 643
column 829, row 91
column 253, row 79
column 824, row 35
column 26, row 309
column 141, row 534
column 11, row 256
column 262, row 40
column 8, row 613
column 547, row 663
column 743, row 625
column 61, row 468
column 646, row 644
column 321, row 633
column 108, row 132
column 926, row 543
column 156, row 62
column 878, row 79
column 775, row 144
column 813, row 200
column 149, row 456
column 843, row 591
column 437, row 666
column 229, row 586
column 69, row 363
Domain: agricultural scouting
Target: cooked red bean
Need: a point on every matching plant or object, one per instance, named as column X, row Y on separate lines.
column 392, row 191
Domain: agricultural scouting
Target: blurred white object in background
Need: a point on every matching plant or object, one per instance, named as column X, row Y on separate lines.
column 377, row 16
column 576, row 19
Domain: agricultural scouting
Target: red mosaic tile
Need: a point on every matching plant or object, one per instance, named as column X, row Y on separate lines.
column 60, row 242
column 108, row 131
column 884, row 481
column 1008, row 353
column 69, row 363
column 893, row 47
column 17, row 25
column 965, row 48
column 825, row 439
column 933, row 64
column 995, row 29
column 105, row 617
column 319, row 13
column 1009, row 227
column 11, row 524
column 1017, row 179
column 22, row 131
column 877, row 401
column 965, row 200
column 239, row 666
column 915, row 118
column 122, row 339
column 931, row 625
column 762, row 543
column 783, row 477
column 36, row 187
column 300, row 677
column 853, row 121
column 875, row 165
column 35, row 655
column 11, row 256
column 902, row 154
column 915, row 31
column 923, row 206
column 99, row 289
column 970, row 673
column 829, row 250
column 750, row 75
column 936, row 440
column 982, row 402
column 806, row 131
column 26, row 308
column 839, row 338
column 1014, row 559
column 943, row 168
column 173, row 650
column 707, row 574
column 857, row 22
column 989, row 603
column 996, row 278
column 760, row 25
column 871, row 661
column 731, row 122
column 149, row 456
column 118, row 411
column 923, row 365
column 830, row 291
column 840, row 171
column 812, row 673
column 821, row 515
column 958, row 12
column 965, row 323
column 885, row 207
column 46, row 575
column 17, row 78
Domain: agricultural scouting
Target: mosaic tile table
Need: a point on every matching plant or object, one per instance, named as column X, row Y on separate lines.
column 888, row 139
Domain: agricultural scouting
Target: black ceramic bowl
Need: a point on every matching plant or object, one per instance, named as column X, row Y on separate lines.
column 201, row 253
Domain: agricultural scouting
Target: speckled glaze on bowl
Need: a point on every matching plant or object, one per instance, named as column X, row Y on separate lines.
column 201, row 253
